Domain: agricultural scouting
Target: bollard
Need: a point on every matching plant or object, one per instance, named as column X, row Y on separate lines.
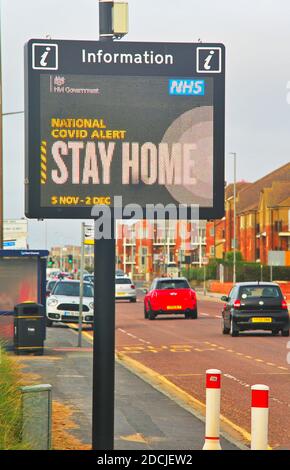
column 259, row 417
column 213, row 399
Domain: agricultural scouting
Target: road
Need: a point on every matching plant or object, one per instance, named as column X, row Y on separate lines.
column 181, row 350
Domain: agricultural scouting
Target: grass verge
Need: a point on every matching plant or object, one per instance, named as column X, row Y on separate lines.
column 10, row 404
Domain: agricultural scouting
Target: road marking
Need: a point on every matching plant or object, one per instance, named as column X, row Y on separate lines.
column 133, row 336
column 218, row 316
column 205, row 314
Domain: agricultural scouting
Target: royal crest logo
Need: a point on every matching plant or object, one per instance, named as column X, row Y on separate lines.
column 59, row 81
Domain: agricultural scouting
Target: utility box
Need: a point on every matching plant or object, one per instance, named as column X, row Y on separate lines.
column 37, row 416
column 29, row 328
column 120, row 18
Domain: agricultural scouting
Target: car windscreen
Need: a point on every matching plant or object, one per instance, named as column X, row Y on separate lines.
column 72, row 289
column 270, row 292
column 119, row 272
column 172, row 284
column 50, row 285
column 123, row 280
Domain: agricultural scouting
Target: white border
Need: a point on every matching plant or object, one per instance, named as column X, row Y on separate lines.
column 209, row 49
column 44, row 44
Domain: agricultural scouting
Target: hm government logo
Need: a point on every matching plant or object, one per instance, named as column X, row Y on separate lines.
column 59, row 81
column 59, row 84
column 44, row 56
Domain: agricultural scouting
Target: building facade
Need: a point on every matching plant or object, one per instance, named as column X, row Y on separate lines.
column 262, row 219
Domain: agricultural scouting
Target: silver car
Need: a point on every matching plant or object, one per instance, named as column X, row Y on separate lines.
column 125, row 289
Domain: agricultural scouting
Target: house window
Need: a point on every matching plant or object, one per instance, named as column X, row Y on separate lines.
column 212, row 250
column 211, row 232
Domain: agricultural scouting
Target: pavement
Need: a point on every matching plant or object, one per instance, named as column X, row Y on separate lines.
column 145, row 418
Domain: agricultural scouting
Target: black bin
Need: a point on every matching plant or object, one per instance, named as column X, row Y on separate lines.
column 29, row 328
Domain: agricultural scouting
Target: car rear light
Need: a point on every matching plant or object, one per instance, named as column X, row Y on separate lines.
column 237, row 304
column 284, row 305
column 193, row 296
column 132, row 286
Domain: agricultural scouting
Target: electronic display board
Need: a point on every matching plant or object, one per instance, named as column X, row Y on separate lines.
column 144, row 121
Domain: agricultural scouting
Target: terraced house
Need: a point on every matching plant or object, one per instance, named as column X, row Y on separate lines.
column 263, row 220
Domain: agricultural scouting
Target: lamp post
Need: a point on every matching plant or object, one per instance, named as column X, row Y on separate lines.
column 235, row 222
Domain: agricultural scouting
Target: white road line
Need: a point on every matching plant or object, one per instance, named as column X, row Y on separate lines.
column 218, row 316
column 205, row 314
column 133, row 336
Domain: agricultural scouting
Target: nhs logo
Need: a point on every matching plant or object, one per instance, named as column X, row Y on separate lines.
column 186, row 87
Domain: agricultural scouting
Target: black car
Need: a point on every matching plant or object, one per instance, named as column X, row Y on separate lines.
column 255, row 306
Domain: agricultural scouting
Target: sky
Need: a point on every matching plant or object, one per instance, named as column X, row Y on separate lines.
column 256, row 35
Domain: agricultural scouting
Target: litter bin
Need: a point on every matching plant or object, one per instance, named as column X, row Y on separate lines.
column 29, row 328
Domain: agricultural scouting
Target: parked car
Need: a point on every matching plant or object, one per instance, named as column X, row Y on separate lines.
column 89, row 278
column 255, row 306
column 63, row 303
column 170, row 296
column 125, row 289
column 49, row 286
column 120, row 273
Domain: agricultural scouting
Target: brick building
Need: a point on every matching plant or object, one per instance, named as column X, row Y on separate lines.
column 145, row 247
column 263, row 220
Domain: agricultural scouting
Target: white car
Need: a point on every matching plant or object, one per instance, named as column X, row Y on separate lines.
column 125, row 289
column 63, row 303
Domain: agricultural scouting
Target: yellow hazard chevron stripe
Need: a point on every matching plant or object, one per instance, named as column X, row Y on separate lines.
column 43, row 158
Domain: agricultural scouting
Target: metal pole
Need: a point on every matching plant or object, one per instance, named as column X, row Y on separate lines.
column 105, row 20
column 104, row 309
column 204, row 279
column 235, row 228
column 200, row 248
column 104, row 345
column 80, row 325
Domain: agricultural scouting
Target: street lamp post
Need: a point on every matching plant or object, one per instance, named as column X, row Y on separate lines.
column 235, row 210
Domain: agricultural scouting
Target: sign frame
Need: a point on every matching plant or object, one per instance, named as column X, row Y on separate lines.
column 65, row 66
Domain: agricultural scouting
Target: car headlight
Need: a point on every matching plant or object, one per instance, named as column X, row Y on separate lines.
column 52, row 302
column 91, row 305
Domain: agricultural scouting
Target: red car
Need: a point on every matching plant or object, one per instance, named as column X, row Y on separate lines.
column 170, row 296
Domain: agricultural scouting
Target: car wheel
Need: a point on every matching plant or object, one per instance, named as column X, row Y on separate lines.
column 145, row 313
column 275, row 332
column 234, row 330
column 151, row 315
column 133, row 300
column 225, row 329
column 49, row 323
column 194, row 314
column 285, row 332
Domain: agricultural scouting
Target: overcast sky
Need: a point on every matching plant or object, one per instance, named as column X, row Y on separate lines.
column 257, row 39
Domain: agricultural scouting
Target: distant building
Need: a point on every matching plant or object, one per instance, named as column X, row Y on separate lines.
column 146, row 248
column 15, row 234
column 263, row 219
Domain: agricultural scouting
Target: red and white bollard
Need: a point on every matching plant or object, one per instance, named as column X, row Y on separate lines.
column 213, row 400
column 259, row 417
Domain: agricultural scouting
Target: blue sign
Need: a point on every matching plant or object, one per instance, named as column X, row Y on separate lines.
column 9, row 244
column 186, row 87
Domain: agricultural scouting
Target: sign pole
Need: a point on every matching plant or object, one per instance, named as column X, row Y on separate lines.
column 104, row 344
column 104, row 310
column 80, row 325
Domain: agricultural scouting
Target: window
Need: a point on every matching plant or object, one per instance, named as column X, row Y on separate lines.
column 123, row 280
column 261, row 291
column 212, row 250
column 72, row 289
column 172, row 284
column 211, row 232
